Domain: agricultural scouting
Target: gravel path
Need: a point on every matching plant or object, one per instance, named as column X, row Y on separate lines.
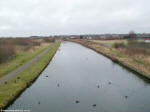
column 23, row 67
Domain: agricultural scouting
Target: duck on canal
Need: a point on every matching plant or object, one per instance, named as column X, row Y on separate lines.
column 77, row 101
column 109, row 83
column 94, row 105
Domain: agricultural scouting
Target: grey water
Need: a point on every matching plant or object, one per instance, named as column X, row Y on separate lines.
column 80, row 80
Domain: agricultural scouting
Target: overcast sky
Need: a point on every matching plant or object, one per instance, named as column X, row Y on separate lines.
column 50, row 17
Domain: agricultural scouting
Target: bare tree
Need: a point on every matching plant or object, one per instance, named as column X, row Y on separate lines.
column 132, row 35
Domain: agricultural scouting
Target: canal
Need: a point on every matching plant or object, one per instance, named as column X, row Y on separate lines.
column 81, row 80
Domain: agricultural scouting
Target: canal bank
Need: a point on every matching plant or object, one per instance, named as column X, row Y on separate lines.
column 123, row 62
column 80, row 80
column 13, row 88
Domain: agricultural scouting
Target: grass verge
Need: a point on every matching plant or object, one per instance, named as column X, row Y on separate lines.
column 10, row 90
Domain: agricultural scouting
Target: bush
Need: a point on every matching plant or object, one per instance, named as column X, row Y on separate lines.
column 137, row 50
column 27, row 42
column 48, row 39
column 118, row 45
column 7, row 51
column 8, row 46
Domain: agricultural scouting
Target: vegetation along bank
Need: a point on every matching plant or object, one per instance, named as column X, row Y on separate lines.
column 133, row 55
column 14, row 87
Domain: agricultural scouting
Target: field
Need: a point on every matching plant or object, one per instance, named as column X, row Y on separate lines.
column 109, row 42
column 16, row 52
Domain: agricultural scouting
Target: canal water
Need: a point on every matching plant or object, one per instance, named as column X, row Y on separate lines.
column 81, row 80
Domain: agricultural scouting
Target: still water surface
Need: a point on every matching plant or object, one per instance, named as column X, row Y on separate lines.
column 79, row 74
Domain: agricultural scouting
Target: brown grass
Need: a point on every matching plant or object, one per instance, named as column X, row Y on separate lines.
column 7, row 50
column 9, row 46
column 133, row 48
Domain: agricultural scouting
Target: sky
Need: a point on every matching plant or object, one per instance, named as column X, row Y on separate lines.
column 63, row 17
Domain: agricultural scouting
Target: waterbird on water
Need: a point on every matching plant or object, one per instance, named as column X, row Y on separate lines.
column 126, row 97
column 77, row 101
column 109, row 83
column 94, row 105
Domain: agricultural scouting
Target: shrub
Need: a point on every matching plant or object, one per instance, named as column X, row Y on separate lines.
column 8, row 46
column 118, row 45
column 130, row 50
column 7, row 51
column 48, row 39
column 27, row 42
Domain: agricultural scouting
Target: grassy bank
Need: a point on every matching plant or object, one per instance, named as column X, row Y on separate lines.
column 133, row 59
column 10, row 90
column 21, row 58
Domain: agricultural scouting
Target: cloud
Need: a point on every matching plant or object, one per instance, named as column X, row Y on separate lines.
column 49, row 17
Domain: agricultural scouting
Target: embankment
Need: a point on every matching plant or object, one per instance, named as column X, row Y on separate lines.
column 14, row 87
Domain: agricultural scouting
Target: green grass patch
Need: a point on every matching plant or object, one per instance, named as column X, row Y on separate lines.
column 9, row 91
column 119, row 55
column 20, row 59
column 140, row 62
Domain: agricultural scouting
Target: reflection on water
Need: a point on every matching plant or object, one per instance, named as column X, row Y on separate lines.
column 80, row 80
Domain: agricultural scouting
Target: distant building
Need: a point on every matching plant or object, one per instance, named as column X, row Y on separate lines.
column 89, row 38
column 146, row 39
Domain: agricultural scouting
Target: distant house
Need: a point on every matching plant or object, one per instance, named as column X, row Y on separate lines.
column 146, row 38
column 89, row 38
